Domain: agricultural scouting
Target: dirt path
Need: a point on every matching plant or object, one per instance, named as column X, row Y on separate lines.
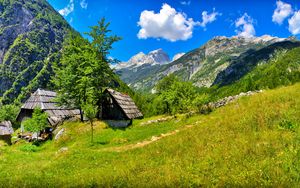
column 147, row 142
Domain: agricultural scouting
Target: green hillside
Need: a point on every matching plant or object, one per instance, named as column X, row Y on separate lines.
column 282, row 69
column 32, row 34
column 251, row 142
column 266, row 56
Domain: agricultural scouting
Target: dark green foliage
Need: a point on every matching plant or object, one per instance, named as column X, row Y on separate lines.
column 200, row 103
column 38, row 122
column 288, row 125
column 101, row 40
column 70, row 75
column 143, row 102
column 166, row 83
column 83, row 72
column 9, row 113
column 282, row 69
column 29, row 148
column 179, row 98
column 246, row 63
column 172, row 96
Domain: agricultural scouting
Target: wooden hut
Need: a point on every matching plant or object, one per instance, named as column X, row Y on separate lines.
column 6, row 131
column 44, row 100
column 118, row 109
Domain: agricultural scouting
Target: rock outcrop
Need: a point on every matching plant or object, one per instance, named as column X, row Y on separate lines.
column 229, row 99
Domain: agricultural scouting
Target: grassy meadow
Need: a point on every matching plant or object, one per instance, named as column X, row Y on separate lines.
column 254, row 141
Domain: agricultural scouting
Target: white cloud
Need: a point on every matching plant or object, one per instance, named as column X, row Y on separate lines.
column 209, row 18
column 177, row 56
column 168, row 24
column 68, row 9
column 294, row 23
column 185, row 2
column 245, row 26
column 282, row 11
column 83, row 4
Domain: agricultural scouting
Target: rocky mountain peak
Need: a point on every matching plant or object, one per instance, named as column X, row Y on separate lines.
column 155, row 57
column 159, row 56
column 267, row 38
column 157, row 51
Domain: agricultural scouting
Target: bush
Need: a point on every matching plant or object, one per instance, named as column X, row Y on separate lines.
column 38, row 122
column 200, row 102
column 175, row 96
column 9, row 113
column 29, row 148
column 287, row 125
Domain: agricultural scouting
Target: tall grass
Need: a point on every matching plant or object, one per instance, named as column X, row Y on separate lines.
column 252, row 142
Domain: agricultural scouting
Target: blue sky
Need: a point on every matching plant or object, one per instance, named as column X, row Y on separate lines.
column 181, row 25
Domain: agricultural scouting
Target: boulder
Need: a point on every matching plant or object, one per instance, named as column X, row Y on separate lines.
column 59, row 134
column 63, row 150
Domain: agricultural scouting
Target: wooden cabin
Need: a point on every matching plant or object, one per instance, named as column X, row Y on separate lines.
column 118, row 109
column 6, row 131
column 44, row 100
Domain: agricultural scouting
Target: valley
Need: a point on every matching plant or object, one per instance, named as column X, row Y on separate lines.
column 204, row 66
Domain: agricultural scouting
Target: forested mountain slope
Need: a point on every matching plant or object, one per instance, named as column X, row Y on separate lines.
column 280, row 70
column 31, row 35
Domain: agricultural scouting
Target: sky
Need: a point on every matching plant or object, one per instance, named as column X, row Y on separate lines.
column 178, row 26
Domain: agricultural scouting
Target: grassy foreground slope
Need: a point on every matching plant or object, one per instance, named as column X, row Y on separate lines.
column 252, row 142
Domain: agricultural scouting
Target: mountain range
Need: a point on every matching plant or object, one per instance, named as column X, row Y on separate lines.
column 142, row 65
column 219, row 61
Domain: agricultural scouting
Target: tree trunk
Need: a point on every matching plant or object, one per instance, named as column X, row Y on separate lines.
column 92, row 127
column 81, row 115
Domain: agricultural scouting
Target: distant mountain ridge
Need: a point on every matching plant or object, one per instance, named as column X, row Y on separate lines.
column 142, row 65
column 155, row 57
column 203, row 65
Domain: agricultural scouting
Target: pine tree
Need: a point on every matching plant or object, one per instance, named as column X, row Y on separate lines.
column 83, row 72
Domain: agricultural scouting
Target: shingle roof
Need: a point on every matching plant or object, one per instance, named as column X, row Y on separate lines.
column 41, row 99
column 126, row 104
column 44, row 100
column 6, row 128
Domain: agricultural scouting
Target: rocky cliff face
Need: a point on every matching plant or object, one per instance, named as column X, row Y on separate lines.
column 31, row 35
column 203, row 65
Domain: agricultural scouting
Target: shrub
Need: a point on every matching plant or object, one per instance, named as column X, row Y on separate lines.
column 38, row 122
column 200, row 101
column 29, row 148
column 287, row 125
column 9, row 113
